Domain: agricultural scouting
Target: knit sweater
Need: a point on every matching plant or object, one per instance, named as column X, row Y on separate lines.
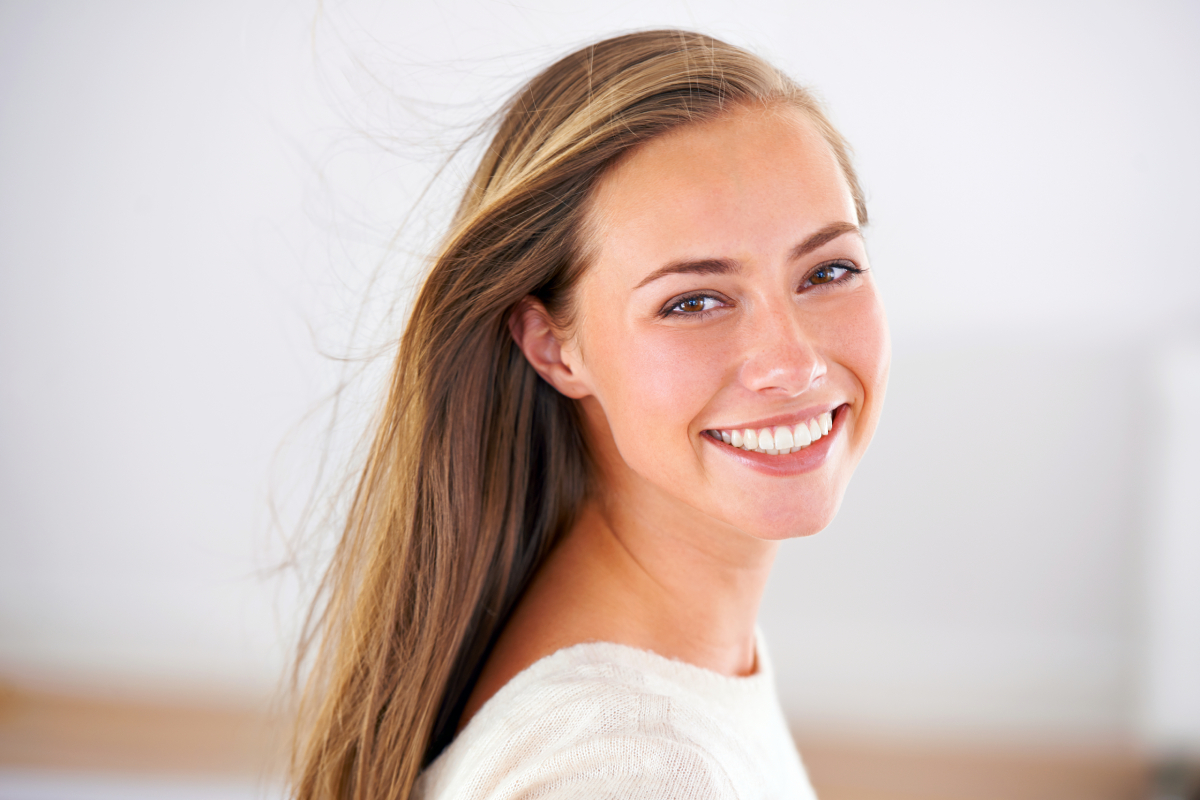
column 601, row 720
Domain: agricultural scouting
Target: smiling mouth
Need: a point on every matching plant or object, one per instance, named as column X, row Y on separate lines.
column 780, row 439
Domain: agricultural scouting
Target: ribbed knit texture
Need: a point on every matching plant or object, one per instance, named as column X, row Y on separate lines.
column 604, row 720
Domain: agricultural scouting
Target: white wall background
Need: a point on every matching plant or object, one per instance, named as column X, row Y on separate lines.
column 193, row 198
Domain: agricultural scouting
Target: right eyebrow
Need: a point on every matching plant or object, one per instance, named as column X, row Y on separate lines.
column 704, row 266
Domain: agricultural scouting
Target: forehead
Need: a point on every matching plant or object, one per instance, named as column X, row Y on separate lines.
column 747, row 185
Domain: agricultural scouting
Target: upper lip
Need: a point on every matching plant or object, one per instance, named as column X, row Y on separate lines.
column 794, row 418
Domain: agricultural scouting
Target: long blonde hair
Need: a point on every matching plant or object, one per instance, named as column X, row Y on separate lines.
column 477, row 465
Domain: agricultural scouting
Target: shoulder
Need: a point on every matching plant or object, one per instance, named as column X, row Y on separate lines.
column 584, row 722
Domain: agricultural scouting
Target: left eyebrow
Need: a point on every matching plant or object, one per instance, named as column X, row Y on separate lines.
column 725, row 266
column 824, row 237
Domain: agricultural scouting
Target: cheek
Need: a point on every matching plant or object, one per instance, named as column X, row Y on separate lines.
column 653, row 385
column 864, row 348
column 873, row 347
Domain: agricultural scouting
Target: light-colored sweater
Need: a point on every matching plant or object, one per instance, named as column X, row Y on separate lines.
column 602, row 720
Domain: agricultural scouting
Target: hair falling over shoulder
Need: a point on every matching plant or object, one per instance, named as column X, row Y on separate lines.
column 477, row 465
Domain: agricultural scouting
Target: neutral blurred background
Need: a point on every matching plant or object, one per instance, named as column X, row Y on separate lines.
column 201, row 203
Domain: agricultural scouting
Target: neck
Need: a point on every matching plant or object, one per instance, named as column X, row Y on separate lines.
column 640, row 567
column 672, row 584
column 641, row 570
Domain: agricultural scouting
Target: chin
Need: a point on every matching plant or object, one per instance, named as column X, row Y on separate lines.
column 795, row 523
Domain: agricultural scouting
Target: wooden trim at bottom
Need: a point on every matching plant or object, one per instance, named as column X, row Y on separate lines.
column 84, row 734
column 79, row 733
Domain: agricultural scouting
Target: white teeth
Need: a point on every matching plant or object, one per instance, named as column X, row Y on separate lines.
column 765, row 440
column 801, row 435
column 780, row 440
column 783, row 438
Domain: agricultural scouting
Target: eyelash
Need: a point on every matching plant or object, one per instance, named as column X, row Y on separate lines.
column 669, row 310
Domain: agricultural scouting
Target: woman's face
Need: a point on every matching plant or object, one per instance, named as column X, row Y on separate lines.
column 728, row 292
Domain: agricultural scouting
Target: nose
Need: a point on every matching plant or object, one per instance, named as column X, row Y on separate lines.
column 781, row 353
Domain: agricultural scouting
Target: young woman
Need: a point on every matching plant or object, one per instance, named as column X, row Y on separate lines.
column 650, row 349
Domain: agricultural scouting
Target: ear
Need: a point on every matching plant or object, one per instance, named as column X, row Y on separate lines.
column 544, row 349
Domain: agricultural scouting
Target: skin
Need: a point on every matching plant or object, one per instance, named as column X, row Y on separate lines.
column 673, row 553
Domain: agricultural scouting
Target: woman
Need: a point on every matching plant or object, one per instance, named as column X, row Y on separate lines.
column 649, row 349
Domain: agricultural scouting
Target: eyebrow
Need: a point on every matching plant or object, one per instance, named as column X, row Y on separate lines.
column 725, row 266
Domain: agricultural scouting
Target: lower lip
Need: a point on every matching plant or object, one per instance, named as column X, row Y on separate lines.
column 806, row 460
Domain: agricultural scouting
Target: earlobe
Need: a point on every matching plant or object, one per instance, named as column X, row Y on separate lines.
column 534, row 332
